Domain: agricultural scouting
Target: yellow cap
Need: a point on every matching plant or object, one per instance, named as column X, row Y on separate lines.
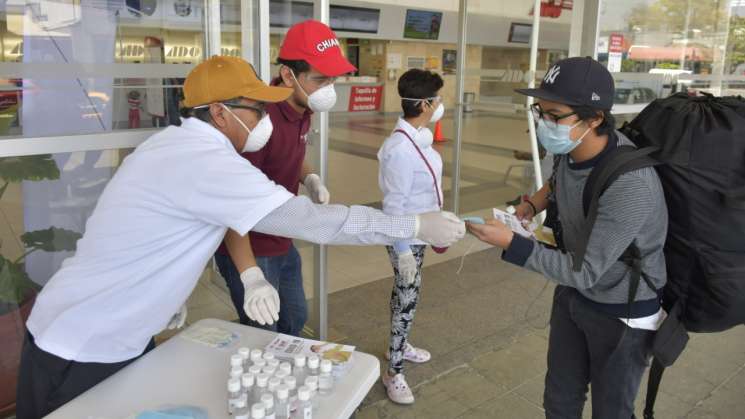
column 222, row 77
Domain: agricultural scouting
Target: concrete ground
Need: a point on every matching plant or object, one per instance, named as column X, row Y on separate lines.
column 487, row 331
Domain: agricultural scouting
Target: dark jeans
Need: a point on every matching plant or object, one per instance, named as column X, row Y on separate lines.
column 589, row 347
column 46, row 381
column 285, row 273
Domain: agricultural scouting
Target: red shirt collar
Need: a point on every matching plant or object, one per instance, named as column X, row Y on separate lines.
column 290, row 114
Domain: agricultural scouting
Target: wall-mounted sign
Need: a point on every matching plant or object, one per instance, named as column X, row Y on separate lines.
column 394, row 61
column 365, row 98
column 449, row 61
column 415, row 62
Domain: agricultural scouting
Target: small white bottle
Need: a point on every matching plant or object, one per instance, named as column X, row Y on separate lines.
column 268, row 401
column 291, row 383
column 256, row 355
column 261, row 387
column 255, row 370
column 274, row 382
column 299, row 370
column 312, row 384
column 281, row 375
column 269, row 370
column 282, row 409
column 268, row 356
column 236, row 372
column 241, row 409
column 236, row 360
column 286, row 367
column 260, row 363
column 258, row 411
column 247, row 385
column 314, row 363
column 245, row 353
column 273, row 363
column 234, row 394
column 304, row 407
column 326, row 379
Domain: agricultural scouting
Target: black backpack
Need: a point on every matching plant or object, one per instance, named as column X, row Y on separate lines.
column 697, row 145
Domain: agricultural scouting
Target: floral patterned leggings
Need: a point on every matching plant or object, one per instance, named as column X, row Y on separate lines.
column 404, row 299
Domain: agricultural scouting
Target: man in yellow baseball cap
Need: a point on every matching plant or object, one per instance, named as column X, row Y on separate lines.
column 157, row 224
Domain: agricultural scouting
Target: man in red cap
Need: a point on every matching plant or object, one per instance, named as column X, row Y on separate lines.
column 310, row 60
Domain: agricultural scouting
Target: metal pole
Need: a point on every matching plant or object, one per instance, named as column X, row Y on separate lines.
column 575, row 31
column 248, row 25
column 720, row 54
column 685, row 36
column 213, row 44
column 459, row 90
column 264, row 42
column 529, row 100
column 320, row 283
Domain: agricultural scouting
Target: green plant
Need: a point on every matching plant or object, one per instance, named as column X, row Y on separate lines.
column 15, row 284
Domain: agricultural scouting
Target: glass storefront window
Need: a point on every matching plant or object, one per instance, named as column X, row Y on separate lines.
column 658, row 47
column 44, row 201
column 76, row 67
column 76, row 62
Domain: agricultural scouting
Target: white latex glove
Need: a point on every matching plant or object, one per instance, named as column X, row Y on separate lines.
column 179, row 319
column 440, row 229
column 260, row 300
column 407, row 267
column 318, row 192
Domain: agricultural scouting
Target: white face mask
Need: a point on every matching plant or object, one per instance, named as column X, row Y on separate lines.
column 322, row 100
column 424, row 137
column 259, row 136
column 439, row 112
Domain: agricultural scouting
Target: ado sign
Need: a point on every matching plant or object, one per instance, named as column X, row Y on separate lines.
column 615, row 43
column 365, row 98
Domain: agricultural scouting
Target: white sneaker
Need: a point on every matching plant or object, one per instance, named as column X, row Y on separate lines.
column 397, row 388
column 412, row 354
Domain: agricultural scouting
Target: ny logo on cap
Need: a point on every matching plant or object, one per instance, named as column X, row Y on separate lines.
column 552, row 74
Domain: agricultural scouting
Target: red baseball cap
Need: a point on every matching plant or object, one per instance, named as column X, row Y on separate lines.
column 316, row 44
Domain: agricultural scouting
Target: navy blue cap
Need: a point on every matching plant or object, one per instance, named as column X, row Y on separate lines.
column 576, row 81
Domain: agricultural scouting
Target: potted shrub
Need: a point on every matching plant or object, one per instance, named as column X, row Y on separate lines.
column 17, row 290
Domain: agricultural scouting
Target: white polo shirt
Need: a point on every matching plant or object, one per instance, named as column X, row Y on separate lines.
column 154, row 229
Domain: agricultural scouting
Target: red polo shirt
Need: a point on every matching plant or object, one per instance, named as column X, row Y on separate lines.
column 281, row 160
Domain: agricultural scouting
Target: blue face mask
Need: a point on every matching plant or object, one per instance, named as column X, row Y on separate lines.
column 555, row 139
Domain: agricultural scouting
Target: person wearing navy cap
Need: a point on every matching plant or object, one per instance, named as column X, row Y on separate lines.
column 310, row 60
column 600, row 336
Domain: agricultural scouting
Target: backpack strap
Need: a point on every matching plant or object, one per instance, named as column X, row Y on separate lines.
column 653, row 386
column 622, row 160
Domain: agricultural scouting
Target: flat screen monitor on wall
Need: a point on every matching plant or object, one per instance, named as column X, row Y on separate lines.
column 354, row 19
column 283, row 14
column 520, row 33
column 422, row 24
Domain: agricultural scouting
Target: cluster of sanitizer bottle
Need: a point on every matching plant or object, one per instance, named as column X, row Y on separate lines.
column 262, row 387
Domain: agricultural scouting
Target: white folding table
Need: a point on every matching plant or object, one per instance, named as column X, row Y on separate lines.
column 184, row 372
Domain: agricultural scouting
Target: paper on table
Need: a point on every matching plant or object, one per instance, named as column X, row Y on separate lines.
column 286, row 347
column 210, row 336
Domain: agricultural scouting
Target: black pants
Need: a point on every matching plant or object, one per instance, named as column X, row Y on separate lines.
column 589, row 347
column 46, row 381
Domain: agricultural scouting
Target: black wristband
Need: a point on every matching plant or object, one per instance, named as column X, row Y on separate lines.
column 535, row 211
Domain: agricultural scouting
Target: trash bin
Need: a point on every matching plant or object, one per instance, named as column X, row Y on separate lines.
column 468, row 99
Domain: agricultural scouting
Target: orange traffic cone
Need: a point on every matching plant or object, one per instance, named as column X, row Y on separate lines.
column 438, row 133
